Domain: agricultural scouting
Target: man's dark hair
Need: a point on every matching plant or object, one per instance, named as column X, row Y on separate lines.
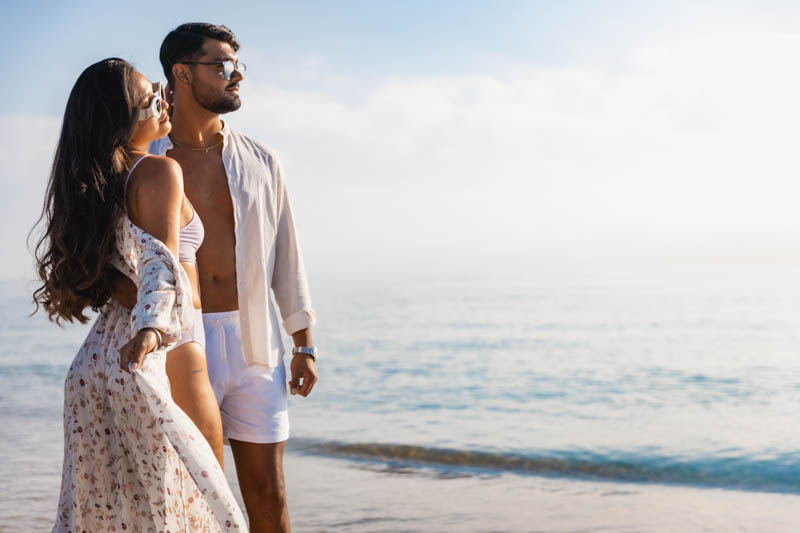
column 186, row 43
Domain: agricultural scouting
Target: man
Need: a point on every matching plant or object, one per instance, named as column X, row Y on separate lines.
column 236, row 187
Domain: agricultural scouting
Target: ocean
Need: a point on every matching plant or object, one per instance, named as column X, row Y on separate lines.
column 662, row 397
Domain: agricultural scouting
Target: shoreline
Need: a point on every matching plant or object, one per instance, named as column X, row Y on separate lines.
column 349, row 495
column 611, row 466
column 333, row 494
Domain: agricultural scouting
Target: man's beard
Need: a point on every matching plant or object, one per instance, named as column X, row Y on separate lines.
column 213, row 101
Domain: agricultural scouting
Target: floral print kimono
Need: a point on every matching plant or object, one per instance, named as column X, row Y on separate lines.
column 133, row 460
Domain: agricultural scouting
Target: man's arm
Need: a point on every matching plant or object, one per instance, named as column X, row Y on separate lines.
column 291, row 290
column 289, row 276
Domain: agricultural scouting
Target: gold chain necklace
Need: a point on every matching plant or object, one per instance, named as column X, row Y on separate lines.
column 204, row 150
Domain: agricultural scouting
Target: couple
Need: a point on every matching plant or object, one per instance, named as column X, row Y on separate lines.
column 137, row 185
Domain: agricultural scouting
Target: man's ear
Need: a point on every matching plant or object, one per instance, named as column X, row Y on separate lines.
column 181, row 73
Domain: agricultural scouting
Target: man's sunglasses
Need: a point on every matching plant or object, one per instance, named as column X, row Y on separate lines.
column 228, row 66
column 156, row 106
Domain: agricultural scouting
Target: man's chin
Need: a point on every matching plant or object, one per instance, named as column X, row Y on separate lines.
column 234, row 105
column 225, row 106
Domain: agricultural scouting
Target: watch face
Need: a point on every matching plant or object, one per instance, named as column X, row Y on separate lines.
column 308, row 350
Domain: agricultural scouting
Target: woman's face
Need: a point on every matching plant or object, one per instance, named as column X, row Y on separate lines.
column 151, row 128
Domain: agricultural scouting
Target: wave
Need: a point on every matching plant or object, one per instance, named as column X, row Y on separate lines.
column 777, row 474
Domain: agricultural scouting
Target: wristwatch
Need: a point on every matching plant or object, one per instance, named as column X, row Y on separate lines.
column 310, row 351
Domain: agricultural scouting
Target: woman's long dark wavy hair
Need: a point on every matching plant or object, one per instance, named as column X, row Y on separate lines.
column 86, row 192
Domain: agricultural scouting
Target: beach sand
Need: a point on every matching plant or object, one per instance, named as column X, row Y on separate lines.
column 341, row 495
column 334, row 494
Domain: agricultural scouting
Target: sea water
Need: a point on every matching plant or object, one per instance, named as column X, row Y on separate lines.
column 685, row 378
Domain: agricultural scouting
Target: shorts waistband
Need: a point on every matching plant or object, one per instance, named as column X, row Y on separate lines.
column 224, row 316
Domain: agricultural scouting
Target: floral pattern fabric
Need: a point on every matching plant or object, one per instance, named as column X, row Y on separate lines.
column 133, row 460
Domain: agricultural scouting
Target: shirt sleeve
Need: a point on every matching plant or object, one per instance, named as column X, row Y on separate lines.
column 162, row 302
column 289, row 282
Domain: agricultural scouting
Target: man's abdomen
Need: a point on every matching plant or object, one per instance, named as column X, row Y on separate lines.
column 219, row 293
column 216, row 265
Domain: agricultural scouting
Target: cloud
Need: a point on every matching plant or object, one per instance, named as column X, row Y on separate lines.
column 688, row 144
column 27, row 144
column 683, row 145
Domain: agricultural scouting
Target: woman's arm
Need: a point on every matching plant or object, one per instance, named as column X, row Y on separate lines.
column 154, row 204
column 155, row 197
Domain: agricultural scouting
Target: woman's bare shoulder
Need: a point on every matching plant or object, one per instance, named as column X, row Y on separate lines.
column 156, row 182
column 158, row 170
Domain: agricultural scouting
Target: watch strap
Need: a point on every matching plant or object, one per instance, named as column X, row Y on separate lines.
column 311, row 351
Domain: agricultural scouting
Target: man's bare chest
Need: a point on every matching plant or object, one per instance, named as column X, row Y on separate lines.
column 205, row 184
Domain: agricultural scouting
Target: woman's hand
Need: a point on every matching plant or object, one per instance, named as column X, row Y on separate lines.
column 132, row 353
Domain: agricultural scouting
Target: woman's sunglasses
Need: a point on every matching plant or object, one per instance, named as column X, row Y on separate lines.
column 156, row 106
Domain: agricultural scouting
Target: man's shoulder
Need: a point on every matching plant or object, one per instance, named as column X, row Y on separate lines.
column 256, row 148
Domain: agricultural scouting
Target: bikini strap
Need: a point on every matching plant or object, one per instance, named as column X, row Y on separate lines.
column 133, row 167
column 128, row 177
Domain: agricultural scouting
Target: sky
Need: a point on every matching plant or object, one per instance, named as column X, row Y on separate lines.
column 466, row 136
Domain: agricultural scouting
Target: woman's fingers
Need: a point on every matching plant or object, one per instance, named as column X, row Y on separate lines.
column 124, row 358
column 132, row 353
column 138, row 352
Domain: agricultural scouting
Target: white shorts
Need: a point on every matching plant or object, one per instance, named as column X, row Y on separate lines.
column 252, row 399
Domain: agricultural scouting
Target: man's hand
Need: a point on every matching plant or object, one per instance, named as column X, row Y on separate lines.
column 303, row 368
column 133, row 352
column 124, row 290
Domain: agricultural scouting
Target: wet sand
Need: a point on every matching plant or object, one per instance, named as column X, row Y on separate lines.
column 340, row 495
column 333, row 494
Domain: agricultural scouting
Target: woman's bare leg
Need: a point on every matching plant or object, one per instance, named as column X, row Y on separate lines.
column 191, row 390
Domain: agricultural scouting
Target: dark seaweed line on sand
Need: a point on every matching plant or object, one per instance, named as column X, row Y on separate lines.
column 727, row 473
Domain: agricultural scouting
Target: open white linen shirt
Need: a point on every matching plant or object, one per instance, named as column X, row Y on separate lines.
column 267, row 251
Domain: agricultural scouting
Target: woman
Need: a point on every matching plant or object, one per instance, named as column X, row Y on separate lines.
column 132, row 458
